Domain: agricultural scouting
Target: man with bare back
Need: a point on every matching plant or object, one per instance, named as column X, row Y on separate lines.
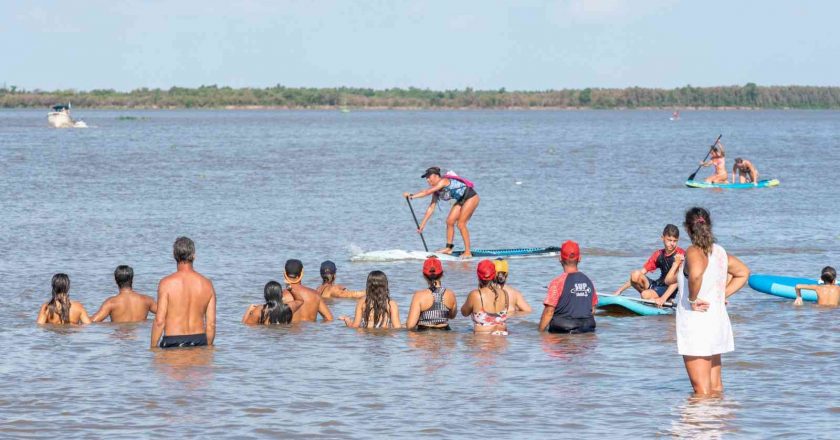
column 127, row 305
column 186, row 304
column 313, row 305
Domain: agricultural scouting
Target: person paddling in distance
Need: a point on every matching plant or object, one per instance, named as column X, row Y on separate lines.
column 657, row 290
column 828, row 294
column 274, row 311
column 718, row 160
column 433, row 307
column 571, row 298
column 376, row 309
column 705, row 279
column 517, row 301
column 328, row 288
column 127, row 305
column 457, row 189
column 312, row 305
column 744, row 172
column 60, row 309
column 488, row 305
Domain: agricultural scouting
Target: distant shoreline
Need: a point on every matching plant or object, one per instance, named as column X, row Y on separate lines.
column 747, row 97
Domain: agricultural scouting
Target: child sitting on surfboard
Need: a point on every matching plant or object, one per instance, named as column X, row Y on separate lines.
column 719, row 161
column 828, row 294
column 657, row 290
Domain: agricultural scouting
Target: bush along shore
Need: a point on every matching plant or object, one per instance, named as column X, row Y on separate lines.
column 749, row 96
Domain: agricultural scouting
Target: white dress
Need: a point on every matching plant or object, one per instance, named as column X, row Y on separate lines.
column 705, row 333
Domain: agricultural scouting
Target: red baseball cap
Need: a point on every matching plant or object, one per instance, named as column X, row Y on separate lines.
column 570, row 251
column 432, row 266
column 486, row 270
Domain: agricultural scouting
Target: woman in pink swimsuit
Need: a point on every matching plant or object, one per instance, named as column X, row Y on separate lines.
column 719, row 162
column 488, row 305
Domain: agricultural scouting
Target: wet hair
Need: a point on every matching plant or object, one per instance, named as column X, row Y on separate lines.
column 828, row 275
column 60, row 302
column 183, row 250
column 698, row 224
column 274, row 311
column 377, row 299
column 497, row 290
column 671, row 231
column 124, row 276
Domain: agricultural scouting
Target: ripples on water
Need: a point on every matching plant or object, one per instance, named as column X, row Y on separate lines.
column 256, row 188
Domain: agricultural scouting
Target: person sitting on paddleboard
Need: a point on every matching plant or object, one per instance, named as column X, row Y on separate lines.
column 719, row 162
column 828, row 294
column 662, row 259
column 744, row 171
column 449, row 187
column 515, row 299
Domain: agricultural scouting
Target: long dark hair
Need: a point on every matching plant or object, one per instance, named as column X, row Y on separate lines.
column 491, row 284
column 274, row 311
column 698, row 224
column 60, row 302
column 377, row 299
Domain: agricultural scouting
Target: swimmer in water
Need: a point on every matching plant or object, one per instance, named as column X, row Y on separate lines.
column 328, row 288
column 828, row 294
column 460, row 191
column 433, row 307
column 274, row 311
column 60, row 309
column 376, row 309
column 127, row 305
column 312, row 305
column 515, row 298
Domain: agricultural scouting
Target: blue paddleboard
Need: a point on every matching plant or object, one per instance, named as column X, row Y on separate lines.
column 782, row 286
column 624, row 304
column 488, row 253
column 759, row 184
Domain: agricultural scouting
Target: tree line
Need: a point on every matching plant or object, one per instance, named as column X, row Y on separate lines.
column 212, row 96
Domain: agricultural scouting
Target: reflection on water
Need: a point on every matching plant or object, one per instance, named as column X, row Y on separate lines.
column 705, row 418
column 255, row 188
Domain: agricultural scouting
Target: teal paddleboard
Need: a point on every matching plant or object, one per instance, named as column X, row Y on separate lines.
column 624, row 304
column 782, row 286
column 759, row 184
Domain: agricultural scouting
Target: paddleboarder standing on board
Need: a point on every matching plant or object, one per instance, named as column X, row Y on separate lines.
column 449, row 187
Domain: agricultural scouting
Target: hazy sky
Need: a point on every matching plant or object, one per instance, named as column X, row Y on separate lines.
column 518, row 44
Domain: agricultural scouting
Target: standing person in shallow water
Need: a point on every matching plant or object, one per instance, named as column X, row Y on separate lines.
column 433, row 307
column 328, row 287
column 705, row 279
column 517, row 301
column 571, row 298
column 488, row 305
column 127, row 305
column 60, row 309
column 186, row 314
column 376, row 309
column 274, row 311
column 828, row 294
column 449, row 187
column 312, row 305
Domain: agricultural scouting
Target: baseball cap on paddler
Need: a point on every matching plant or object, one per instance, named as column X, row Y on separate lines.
column 293, row 271
column 430, row 171
column 328, row 267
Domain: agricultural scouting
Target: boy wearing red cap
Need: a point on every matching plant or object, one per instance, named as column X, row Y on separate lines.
column 571, row 299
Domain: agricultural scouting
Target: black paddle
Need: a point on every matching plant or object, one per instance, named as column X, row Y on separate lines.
column 416, row 223
column 694, row 174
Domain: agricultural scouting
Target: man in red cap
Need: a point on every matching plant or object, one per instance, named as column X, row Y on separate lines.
column 571, row 299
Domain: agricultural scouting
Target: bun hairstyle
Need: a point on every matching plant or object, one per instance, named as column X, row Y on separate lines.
column 698, row 224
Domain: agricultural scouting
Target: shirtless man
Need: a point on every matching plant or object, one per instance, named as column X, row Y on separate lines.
column 328, row 288
column 312, row 303
column 127, row 305
column 828, row 294
column 186, row 304
column 517, row 301
column 744, row 172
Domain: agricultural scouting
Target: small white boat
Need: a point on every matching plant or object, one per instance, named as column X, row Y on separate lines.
column 59, row 117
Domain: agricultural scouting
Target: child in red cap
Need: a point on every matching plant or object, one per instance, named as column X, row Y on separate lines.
column 571, row 299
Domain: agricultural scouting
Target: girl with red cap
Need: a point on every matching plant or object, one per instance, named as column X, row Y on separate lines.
column 433, row 307
column 487, row 305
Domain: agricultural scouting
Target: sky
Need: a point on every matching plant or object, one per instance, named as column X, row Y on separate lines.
column 450, row 44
